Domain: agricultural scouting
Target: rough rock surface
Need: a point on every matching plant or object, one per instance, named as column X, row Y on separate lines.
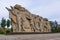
column 24, row 21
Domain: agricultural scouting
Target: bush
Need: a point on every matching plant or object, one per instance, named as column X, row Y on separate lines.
column 8, row 30
column 1, row 31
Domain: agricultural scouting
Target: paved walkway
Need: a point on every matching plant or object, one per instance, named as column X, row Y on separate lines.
column 31, row 37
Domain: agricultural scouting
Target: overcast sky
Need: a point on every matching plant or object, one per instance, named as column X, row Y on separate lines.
column 46, row 8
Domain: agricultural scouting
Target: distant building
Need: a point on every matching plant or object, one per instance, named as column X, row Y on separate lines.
column 24, row 21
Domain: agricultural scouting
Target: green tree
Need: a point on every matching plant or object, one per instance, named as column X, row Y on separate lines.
column 3, row 24
column 8, row 30
column 8, row 23
column 54, row 26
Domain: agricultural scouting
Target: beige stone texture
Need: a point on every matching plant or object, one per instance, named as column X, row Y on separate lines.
column 23, row 21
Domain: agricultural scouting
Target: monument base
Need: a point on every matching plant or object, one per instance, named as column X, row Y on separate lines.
column 14, row 33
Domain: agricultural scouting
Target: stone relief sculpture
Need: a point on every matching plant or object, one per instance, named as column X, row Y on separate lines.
column 23, row 21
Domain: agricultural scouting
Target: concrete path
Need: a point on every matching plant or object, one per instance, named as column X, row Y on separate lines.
column 55, row 36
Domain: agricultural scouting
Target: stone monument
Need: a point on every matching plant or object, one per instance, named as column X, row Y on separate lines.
column 23, row 21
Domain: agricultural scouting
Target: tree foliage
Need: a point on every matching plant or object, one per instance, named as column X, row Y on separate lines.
column 8, row 23
column 3, row 23
column 54, row 26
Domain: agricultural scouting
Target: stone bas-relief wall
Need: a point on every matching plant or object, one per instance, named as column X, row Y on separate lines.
column 24, row 21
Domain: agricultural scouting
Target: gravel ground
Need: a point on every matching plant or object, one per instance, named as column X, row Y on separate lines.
column 55, row 36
